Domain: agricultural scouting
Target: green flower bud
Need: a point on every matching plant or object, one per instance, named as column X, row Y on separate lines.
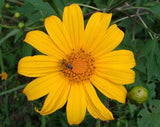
column 7, row 5
column 21, row 25
column 138, row 94
column 17, row 14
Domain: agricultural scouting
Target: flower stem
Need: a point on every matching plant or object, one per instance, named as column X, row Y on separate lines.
column 88, row 6
column 8, row 27
column 146, row 28
column 126, row 17
column 130, row 8
column 43, row 121
column 12, row 90
column 33, row 28
column 115, row 6
column 54, row 6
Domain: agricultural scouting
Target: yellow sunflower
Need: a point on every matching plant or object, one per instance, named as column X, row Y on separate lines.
column 76, row 59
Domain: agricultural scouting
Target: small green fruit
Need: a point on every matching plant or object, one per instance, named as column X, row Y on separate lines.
column 17, row 14
column 138, row 94
column 7, row 5
column 41, row 19
column 21, row 25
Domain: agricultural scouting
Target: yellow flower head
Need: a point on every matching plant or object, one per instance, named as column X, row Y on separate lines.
column 4, row 75
column 75, row 60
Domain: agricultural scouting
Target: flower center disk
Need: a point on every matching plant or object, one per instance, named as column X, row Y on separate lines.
column 78, row 66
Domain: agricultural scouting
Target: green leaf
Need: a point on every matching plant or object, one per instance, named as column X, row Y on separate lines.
column 149, row 117
column 132, row 109
column 151, row 52
column 26, row 10
column 60, row 4
column 10, row 60
column 127, row 43
column 132, row 123
column 151, row 92
column 155, row 9
column 151, row 47
column 17, row 36
column 1, row 6
column 140, row 66
column 27, row 49
column 150, row 64
column 77, row 1
column 99, row 3
column 10, row 34
column 146, row 49
column 43, row 7
column 34, row 18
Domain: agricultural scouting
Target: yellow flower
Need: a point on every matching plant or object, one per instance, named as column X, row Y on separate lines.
column 75, row 60
column 4, row 75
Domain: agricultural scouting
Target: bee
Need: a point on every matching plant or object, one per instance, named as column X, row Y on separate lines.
column 66, row 64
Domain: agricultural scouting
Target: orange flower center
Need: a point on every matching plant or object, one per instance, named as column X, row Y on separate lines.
column 78, row 66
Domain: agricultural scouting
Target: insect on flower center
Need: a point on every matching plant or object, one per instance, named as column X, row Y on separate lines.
column 78, row 66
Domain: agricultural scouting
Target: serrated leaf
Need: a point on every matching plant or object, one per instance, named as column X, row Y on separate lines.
column 149, row 118
column 126, row 44
column 148, row 48
column 140, row 66
column 150, row 64
column 151, row 52
column 155, row 9
column 157, row 71
column 132, row 108
column 151, row 92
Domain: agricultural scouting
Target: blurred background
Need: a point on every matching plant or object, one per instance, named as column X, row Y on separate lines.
column 140, row 21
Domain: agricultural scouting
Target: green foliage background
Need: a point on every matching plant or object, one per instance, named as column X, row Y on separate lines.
column 139, row 19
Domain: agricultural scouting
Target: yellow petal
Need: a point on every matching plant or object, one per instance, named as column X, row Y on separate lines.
column 37, row 66
column 76, row 106
column 110, row 41
column 43, row 43
column 120, row 59
column 74, row 23
column 109, row 89
column 58, row 33
column 95, row 29
column 94, row 105
column 57, row 97
column 116, row 75
column 41, row 86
